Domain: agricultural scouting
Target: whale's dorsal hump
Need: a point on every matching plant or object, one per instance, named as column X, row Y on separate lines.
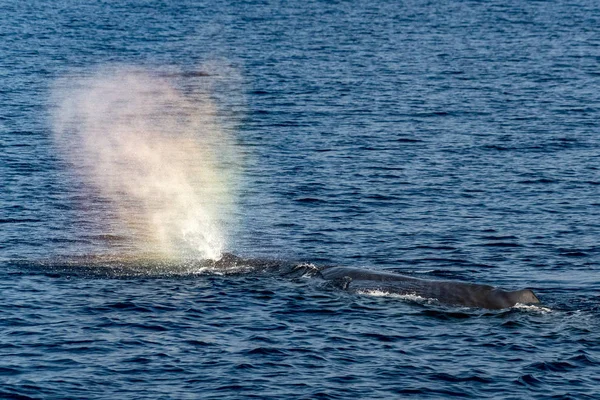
column 525, row 296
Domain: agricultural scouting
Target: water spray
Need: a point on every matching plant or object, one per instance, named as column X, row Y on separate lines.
column 158, row 155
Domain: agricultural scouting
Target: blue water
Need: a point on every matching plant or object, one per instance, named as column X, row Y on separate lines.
column 449, row 140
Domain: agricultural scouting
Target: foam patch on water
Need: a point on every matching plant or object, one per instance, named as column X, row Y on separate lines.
column 532, row 308
column 406, row 297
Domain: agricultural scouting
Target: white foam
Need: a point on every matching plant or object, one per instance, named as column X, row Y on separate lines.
column 311, row 270
column 406, row 297
column 532, row 308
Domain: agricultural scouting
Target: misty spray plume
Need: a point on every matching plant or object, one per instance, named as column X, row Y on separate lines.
column 159, row 155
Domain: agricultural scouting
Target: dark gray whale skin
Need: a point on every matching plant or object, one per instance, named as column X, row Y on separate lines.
column 447, row 292
column 358, row 280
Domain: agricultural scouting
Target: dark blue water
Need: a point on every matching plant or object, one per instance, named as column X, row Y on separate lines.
column 449, row 140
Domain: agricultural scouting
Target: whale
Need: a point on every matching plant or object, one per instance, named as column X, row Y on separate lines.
column 349, row 279
column 362, row 280
column 454, row 293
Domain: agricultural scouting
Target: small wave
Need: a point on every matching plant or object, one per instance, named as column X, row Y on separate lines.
column 215, row 270
column 551, row 366
column 309, row 270
column 18, row 220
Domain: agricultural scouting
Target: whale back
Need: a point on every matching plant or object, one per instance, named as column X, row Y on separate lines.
column 447, row 292
column 524, row 296
column 357, row 274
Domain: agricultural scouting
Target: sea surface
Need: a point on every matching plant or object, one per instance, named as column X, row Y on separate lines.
column 455, row 140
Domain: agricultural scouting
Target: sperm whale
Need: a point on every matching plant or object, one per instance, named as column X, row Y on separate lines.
column 447, row 292
column 357, row 280
column 353, row 280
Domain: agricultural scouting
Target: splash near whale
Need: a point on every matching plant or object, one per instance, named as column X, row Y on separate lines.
column 157, row 152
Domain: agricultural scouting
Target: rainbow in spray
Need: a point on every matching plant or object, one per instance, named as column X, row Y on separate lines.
column 157, row 153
